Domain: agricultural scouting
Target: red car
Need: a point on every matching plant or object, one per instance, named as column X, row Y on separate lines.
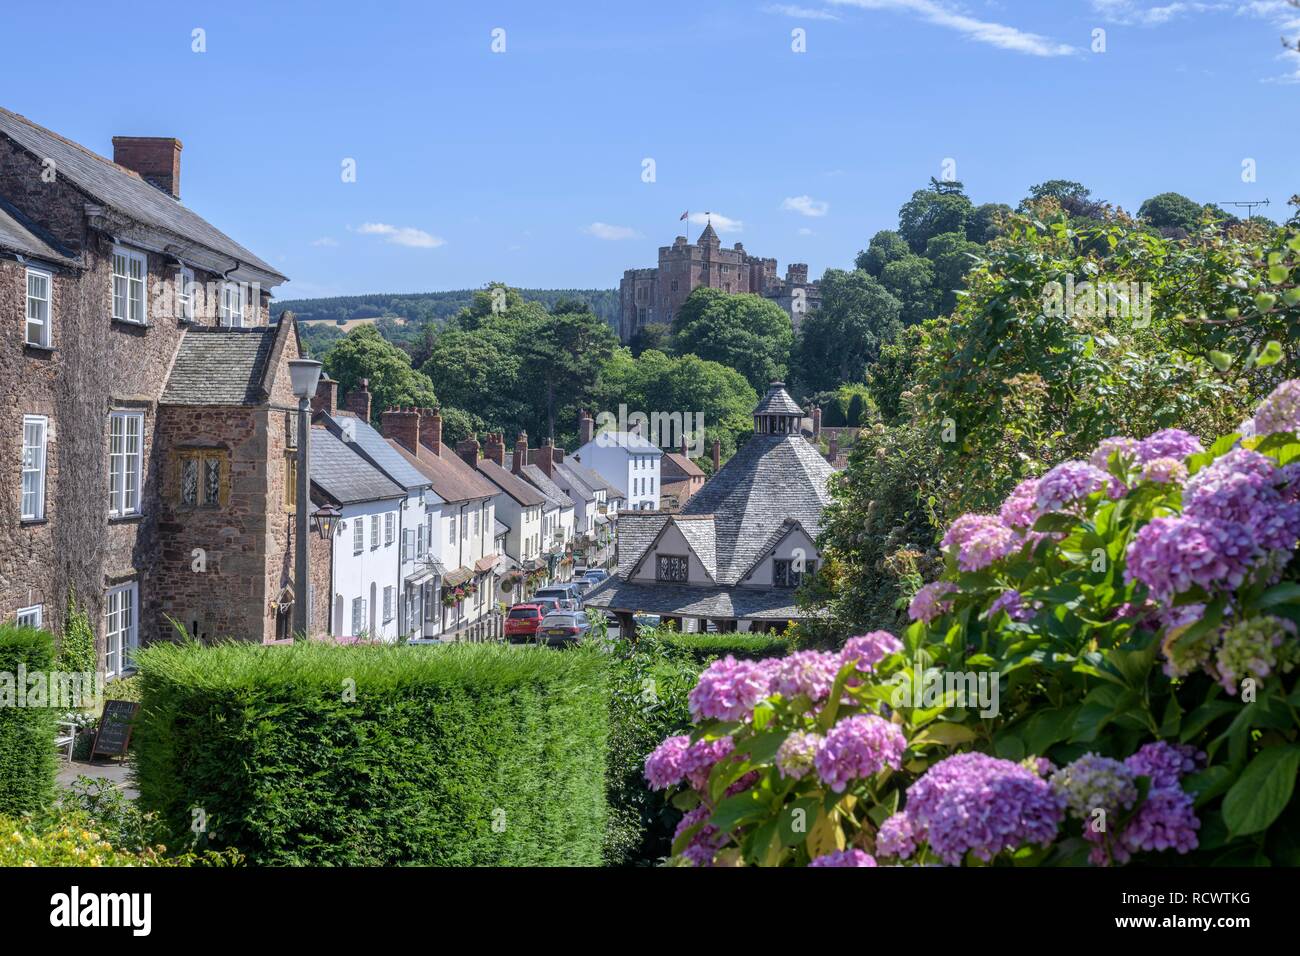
column 522, row 622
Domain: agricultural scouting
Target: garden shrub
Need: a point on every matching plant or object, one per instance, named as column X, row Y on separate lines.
column 77, row 644
column 316, row 754
column 702, row 647
column 72, row 837
column 648, row 685
column 1105, row 672
column 27, row 756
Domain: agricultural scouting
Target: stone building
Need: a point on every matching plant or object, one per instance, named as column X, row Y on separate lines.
column 738, row 550
column 145, row 401
column 648, row 296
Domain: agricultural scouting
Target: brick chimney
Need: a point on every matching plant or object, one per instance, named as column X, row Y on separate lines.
column 544, row 457
column 327, row 395
column 817, row 422
column 403, row 426
column 834, row 451
column 521, row 453
column 468, row 451
column 156, row 158
column 357, row 401
column 431, row 429
column 557, row 456
column 494, row 448
column 586, row 427
column 717, row 455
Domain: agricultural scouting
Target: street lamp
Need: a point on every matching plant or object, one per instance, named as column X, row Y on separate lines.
column 326, row 518
column 303, row 376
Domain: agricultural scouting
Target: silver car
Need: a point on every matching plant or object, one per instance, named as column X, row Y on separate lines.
column 564, row 627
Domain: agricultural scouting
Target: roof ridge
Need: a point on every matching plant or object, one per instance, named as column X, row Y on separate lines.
column 73, row 143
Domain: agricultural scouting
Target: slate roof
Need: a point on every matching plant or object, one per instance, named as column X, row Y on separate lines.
column 633, row 442
column 452, row 479
column 19, row 234
column 764, row 604
column 771, row 478
column 376, row 449
column 518, row 489
column 553, row 492
column 637, row 530
column 777, row 401
column 499, row 528
column 593, row 479
column 576, row 486
column 220, row 366
column 123, row 190
column 345, row 476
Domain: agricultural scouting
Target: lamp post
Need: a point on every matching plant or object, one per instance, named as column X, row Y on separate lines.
column 303, row 375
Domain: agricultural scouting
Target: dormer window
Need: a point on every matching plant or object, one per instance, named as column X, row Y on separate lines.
column 671, row 568
column 788, row 573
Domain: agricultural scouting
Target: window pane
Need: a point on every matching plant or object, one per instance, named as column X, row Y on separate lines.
column 211, row 480
column 189, row 481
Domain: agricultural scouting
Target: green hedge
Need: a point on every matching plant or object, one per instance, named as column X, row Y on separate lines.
column 27, row 759
column 740, row 646
column 463, row 755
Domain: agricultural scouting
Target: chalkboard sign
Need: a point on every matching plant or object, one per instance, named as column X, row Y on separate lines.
column 115, row 724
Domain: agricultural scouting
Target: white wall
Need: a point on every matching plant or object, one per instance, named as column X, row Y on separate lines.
column 371, row 571
column 634, row 471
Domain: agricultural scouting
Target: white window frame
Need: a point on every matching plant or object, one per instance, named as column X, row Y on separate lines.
column 130, row 285
column 419, row 541
column 358, row 535
column 408, row 544
column 124, row 495
column 389, row 524
column 358, row 616
column 44, row 337
column 185, row 294
column 121, row 636
column 451, row 536
column 374, row 531
column 388, row 603
column 32, row 616
column 37, row 512
column 232, row 305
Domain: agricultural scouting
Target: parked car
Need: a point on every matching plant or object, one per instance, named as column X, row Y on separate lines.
column 595, row 575
column 522, row 622
column 564, row 627
column 547, row 602
column 563, row 592
column 578, row 572
column 582, row 585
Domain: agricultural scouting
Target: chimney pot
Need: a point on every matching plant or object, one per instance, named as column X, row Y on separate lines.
column 403, row 426
column 327, row 396
column 357, row 401
column 521, row 453
column 157, row 159
column 468, row 451
column 431, row 429
column 586, row 427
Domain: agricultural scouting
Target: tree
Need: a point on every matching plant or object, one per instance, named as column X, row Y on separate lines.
column 941, row 208
column 911, row 280
column 985, row 223
column 843, row 336
column 655, row 335
column 478, row 371
column 363, row 353
column 953, row 257
column 560, row 361
column 885, row 247
column 746, row 332
column 1171, row 211
column 1058, row 189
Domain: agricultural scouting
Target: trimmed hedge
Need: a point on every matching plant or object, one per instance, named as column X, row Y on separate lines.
column 316, row 754
column 703, row 647
column 28, row 762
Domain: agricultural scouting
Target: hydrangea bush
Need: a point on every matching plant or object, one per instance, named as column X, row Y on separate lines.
column 1104, row 673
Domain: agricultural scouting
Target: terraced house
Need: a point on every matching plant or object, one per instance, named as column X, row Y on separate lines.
column 147, row 448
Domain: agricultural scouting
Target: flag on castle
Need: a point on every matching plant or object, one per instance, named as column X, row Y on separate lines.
column 684, row 215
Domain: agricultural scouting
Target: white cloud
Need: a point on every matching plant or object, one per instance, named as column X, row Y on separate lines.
column 981, row 31
column 1286, row 18
column 327, row 241
column 803, row 13
column 806, row 206
column 1134, row 13
column 720, row 222
column 402, row 235
column 603, row 230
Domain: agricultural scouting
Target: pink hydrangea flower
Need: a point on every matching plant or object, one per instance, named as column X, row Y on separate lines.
column 869, row 649
column 797, row 754
column 810, row 673
column 701, row 757
column 1280, row 412
column 1126, row 447
column 1169, row 443
column 1164, row 471
column 858, row 747
column 1067, row 483
column 1020, row 509
column 980, row 540
column 896, row 838
column 844, row 858
column 928, row 603
column 663, row 768
column 728, row 690
column 1171, row 554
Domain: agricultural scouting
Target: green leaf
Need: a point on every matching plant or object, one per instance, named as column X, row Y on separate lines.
column 1271, row 355
column 1288, row 592
column 1221, row 360
column 1265, row 301
column 1263, row 791
column 1278, row 274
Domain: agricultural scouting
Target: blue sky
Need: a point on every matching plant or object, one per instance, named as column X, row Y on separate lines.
column 527, row 165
